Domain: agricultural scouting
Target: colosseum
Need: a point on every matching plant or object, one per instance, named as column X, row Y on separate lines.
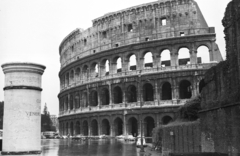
column 133, row 68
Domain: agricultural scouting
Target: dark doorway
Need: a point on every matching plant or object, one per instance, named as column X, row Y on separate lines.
column 118, row 126
column 185, row 90
column 131, row 94
column 105, row 127
column 166, row 91
column 148, row 92
column 133, row 127
column 117, row 93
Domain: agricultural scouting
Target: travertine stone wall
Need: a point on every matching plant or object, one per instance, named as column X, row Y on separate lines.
column 146, row 22
column 220, row 117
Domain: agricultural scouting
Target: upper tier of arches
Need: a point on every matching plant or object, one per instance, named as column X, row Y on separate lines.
column 147, row 22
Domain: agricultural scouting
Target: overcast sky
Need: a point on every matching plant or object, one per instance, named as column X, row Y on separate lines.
column 31, row 31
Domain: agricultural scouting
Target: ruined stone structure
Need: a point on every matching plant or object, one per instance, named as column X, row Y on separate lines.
column 108, row 86
column 220, row 117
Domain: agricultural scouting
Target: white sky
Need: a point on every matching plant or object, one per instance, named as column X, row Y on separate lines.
column 31, row 31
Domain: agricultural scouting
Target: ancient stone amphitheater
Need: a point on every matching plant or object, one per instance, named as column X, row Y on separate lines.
column 127, row 68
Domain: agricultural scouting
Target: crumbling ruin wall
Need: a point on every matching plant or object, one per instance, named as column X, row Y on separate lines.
column 220, row 117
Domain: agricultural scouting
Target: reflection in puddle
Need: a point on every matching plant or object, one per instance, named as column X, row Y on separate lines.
column 108, row 147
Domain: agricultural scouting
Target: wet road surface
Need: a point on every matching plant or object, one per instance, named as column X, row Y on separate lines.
column 68, row 147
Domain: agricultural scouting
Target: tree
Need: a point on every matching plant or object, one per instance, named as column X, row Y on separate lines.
column 46, row 122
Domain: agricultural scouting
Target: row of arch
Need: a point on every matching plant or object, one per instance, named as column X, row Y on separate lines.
column 132, row 62
column 130, row 95
column 133, row 12
column 116, row 128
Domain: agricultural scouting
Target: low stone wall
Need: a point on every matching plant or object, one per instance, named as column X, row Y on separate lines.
column 178, row 137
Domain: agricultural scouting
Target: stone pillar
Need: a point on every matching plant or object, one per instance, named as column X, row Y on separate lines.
column 157, row 97
column 22, row 109
column 110, row 95
column 174, row 57
column 193, row 56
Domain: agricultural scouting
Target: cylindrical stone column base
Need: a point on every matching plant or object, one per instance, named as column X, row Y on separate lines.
column 22, row 109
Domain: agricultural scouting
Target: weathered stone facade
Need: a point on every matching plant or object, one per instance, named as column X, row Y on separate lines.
column 100, row 97
column 220, row 117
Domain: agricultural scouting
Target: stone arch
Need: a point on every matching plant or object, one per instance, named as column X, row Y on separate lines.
column 148, row 59
column 105, row 127
column 71, row 129
column 93, row 98
column 201, row 85
column 117, row 64
column 71, row 76
column 94, row 127
column 67, row 79
column 185, row 89
column 131, row 94
column 166, row 91
column 118, row 126
column 149, row 124
column 104, row 67
column 77, row 128
column 148, row 92
column 183, row 56
column 84, row 99
column 105, row 98
column 66, row 103
column 85, row 128
column 94, row 70
column 132, row 62
column 77, row 74
column 133, row 126
column 67, row 129
column 117, row 95
column 77, row 100
column 203, row 54
column 85, row 72
column 71, row 102
column 166, row 120
column 165, row 57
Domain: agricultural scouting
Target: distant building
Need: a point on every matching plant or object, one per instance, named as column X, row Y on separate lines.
column 54, row 120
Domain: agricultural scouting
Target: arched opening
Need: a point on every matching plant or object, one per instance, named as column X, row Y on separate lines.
column 104, row 67
column 166, row 120
column 67, row 129
column 118, row 126
column 185, row 89
column 132, row 62
column 183, row 56
column 203, row 54
column 85, row 128
column 201, row 85
column 77, row 100
column 148, row 92
column 84, row 100
column 148, row 126
column 165, row 58
column 71, row 129
column 117, row 95
column 133, row 127
column 85, row 72
column 67, row 79
column 94, row 98
column 66, row 103
column 148, row 60
column 105, row 97
column 94, row 70
column 71, row 76
column 105, row 127
column 166, row 91
column 131, row 94
column 94, row 128
column 77, row 74
column 117, row 65
column 71, row 102
column 77, row 128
